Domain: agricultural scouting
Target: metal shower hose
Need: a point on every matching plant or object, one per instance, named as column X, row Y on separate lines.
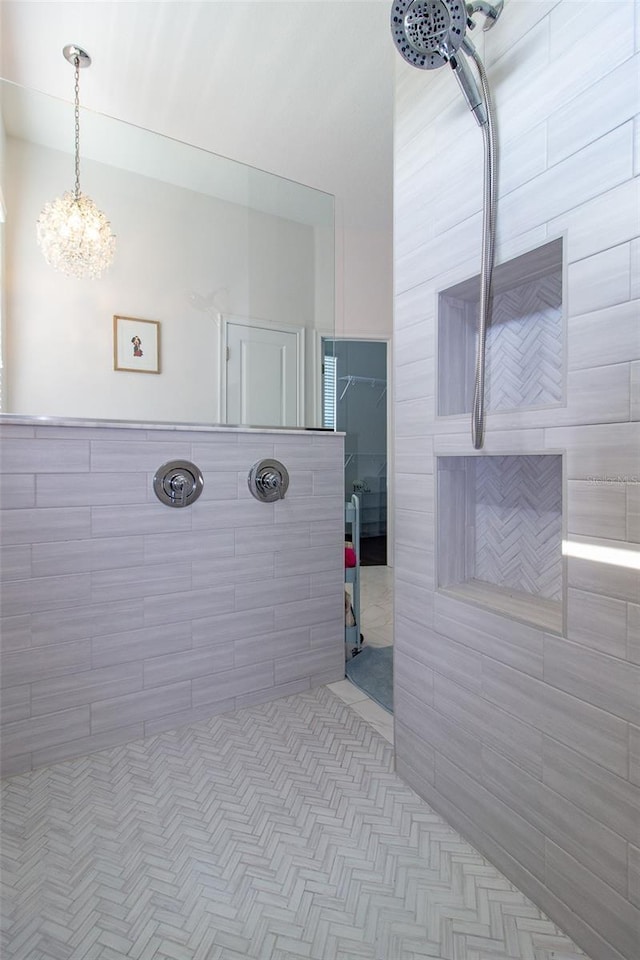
column 488, row 250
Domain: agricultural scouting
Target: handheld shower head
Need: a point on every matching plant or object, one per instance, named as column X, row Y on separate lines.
column 429, row 33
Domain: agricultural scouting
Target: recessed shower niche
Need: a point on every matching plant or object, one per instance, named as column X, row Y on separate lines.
column 525, row 336
column 500, row 534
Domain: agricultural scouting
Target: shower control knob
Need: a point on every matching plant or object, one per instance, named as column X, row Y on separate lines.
column 179, row 487
column 178, row 483
column 268, row 480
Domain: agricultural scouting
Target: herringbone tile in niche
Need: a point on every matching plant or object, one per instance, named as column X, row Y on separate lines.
column 524, row 345
column 518, row 521
column 277, row 832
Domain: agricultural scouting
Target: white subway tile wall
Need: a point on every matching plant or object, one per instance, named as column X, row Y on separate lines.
column 122, row 617
column 526, row 740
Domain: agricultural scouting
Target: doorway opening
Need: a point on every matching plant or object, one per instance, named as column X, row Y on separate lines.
column 355, row 401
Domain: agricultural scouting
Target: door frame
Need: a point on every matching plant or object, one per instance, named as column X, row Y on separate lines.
column 225, row 320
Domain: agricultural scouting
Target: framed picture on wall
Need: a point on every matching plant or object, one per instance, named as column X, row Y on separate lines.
column 136, row 345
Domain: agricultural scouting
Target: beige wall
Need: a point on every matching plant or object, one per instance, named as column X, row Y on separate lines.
column 364, row 283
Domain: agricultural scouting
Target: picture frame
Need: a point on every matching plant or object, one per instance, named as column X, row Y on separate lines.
column 136, row 345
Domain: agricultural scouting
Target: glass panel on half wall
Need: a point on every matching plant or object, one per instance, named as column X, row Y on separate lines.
column 229, row 267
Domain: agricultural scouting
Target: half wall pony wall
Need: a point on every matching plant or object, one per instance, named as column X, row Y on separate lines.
column 123, row 617
column 517, row 643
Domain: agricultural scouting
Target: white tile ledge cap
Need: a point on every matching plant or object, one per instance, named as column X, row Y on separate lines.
column 10, row 418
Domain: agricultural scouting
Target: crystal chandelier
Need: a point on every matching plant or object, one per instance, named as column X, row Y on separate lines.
column 74, row 236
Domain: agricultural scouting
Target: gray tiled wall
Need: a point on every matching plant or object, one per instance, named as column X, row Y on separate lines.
column 528, row 741
column 122, row 617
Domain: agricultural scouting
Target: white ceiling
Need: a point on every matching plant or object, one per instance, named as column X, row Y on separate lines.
column 301, row 89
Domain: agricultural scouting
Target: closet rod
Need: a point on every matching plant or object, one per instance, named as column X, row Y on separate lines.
column 372, row 381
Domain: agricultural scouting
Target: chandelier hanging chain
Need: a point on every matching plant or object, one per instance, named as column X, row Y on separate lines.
column 76, row 63
column 74, row 235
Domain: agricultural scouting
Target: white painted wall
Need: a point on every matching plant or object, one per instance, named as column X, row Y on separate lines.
column 364, row 281
column 181, row 257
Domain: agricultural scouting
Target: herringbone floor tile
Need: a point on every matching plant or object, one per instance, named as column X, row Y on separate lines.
column 279, row 832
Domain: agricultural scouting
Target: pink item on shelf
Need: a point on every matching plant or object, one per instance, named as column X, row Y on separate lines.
column 349, row 557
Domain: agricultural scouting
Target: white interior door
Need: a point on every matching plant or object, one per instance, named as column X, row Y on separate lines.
column 263, row 385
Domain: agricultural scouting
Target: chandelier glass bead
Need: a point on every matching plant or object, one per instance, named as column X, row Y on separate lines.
column 75, row 236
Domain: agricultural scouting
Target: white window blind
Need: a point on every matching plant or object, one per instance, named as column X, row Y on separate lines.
column 329, row 384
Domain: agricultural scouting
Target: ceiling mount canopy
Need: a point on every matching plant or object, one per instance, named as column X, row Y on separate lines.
column 72, row 52
column 74, row 235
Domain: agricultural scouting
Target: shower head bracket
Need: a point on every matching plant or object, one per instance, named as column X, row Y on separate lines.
column 491, row 12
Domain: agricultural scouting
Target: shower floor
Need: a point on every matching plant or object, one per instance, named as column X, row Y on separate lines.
column 277, row 832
